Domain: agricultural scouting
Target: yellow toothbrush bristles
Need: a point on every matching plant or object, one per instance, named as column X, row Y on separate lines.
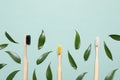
column 59, row 48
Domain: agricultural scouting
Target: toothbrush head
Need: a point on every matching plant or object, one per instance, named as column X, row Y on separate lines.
column 97, row 41
column 59, row 48
column 28, row 39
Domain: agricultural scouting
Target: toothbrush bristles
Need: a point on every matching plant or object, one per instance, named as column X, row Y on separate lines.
column 97, row 42
column 59, row 49
column 28, row 39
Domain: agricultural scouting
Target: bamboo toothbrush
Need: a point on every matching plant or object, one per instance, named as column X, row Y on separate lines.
column 96, row 59
column 27, row 40
column 59, row 62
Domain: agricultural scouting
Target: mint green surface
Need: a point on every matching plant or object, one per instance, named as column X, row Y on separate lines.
column 59, row 19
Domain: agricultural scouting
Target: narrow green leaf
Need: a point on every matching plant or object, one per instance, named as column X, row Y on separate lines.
column 77, row 41
column 34, row 76
column 108, row 52
column 110, row 75
column 81, row 76
column 115, row 37
column 2, row 46
column 2, row 65
column 41, row 40
column 14, row 56
column 42, row 57
column 12, row 75
column 87, row 53
column 10, row 38
column 49, row 73
column 71, row 61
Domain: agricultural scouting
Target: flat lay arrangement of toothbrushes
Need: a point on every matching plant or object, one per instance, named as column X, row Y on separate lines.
column 70, row 58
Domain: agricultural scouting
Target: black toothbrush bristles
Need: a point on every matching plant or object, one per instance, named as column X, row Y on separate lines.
column 28, row 39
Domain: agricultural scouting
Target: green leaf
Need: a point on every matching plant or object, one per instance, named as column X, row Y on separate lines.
column 108, row 52
column 80, row 77
column 42, row 57
column 110, row 75
column 34, row 76
column 71, row 61
column 87, row 53
column 2, row 65
column 12, row 75
column 115, row 37
column 41, row 40
column 49, row 73
column 77, row 41
column 14, row 56
column 2, row 46
column 10, row 38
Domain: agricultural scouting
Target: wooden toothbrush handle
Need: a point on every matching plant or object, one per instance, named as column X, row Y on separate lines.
column 59, row 68
column 25, row 68
column 96, row 65
column 59, row 73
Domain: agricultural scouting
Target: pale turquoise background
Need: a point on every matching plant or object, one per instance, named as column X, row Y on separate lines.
column 59, row 19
